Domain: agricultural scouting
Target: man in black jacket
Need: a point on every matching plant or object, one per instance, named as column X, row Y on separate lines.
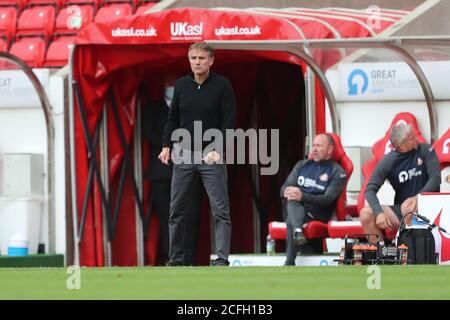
column 206, row 98
column 311, row 191
column 412, row 168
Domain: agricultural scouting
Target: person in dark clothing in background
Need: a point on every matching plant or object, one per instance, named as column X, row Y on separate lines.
column 206, row 98
column 154, row 117
column 311, row 191
column 412, row 168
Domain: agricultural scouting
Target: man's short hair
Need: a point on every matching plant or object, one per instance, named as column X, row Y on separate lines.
column 203, row 46
column 329, row 138
column 399, row 133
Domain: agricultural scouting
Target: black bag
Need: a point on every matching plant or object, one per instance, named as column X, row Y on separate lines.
column 421, row 245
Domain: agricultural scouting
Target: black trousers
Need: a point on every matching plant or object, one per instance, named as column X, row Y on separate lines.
column 214, row 178
column 161, row 203
column 296, row 216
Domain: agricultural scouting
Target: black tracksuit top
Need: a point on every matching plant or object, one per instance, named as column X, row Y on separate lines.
column 320, row 182
column 212, row 103
column 409, row 173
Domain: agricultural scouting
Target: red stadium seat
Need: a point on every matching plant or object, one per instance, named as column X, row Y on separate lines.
column 277, row 230
column 31, row 50
column 367, row 169
column 113, row 11
column 56, row 3
column 20, row 4
column 71, row 19
column 317, row 229
column 8, row 22
column 134, row 3
column 340, row 229
column 314, row 230
column 3, row 45
column 58, row 51
column 143, row 8
column 442, row 148
column 96, row 3
column 37, row 21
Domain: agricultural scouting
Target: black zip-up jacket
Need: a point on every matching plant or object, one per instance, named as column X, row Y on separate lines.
column 409, row 173
column 212, row 103
column 321, row 184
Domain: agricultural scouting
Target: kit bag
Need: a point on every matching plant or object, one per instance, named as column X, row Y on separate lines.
column 421, row 245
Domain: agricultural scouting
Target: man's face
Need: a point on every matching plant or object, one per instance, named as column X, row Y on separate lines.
column 410, row 143
column 200, row 61
column 321, row 149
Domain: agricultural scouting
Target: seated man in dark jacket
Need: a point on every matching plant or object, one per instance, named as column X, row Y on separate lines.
column 411, row 168
column 311, row 191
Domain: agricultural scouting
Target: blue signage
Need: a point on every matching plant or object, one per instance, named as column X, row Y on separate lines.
column 352, row 86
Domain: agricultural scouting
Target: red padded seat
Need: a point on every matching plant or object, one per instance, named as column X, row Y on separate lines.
column 442, row 148
column 37, row 21
column 143, row 8
column 71, row 19
column 8, row 22
column 58, row 51
column 31, row 50
column 19, row 4
column 113, row 11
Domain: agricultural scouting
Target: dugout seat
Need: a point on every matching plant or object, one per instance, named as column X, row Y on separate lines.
column 383, row 146
column 442, row 148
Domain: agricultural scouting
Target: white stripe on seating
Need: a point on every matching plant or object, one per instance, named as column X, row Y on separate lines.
column 345, row 223
column 276, row 224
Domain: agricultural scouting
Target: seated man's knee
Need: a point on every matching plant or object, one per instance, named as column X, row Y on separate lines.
column 293, row 206
column 366, row 216
column 395, row 223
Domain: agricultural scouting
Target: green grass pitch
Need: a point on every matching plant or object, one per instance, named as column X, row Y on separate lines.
column 222, row 283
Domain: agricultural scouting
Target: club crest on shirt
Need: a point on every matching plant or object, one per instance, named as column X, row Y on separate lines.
column 323, row 177
column 301, row 181
column 419, row 161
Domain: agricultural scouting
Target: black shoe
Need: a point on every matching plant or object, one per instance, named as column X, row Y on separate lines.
column 289, row 264
column 219, row 262
column 299, row 238
column 171, row 263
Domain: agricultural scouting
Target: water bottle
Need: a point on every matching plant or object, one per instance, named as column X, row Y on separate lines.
column 403, row 254
column 270, row 245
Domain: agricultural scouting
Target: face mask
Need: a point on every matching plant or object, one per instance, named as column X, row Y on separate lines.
column 168, row 95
